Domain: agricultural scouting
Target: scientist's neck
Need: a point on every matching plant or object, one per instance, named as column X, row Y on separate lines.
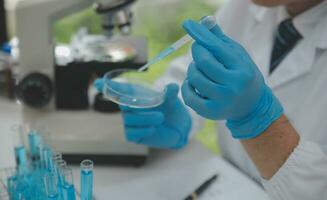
column 297, row 8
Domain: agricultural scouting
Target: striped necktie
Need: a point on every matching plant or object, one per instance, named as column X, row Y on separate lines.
column 286, row 39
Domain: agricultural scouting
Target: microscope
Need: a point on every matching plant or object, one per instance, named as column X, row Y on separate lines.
column 56, row 94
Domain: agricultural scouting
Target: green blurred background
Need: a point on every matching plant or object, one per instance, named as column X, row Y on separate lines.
column 160, row 22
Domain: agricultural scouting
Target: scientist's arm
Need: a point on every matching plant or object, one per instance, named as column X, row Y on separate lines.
column 270, row 150
column 223, row 83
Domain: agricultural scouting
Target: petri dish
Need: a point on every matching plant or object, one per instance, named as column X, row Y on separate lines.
column 128, row 87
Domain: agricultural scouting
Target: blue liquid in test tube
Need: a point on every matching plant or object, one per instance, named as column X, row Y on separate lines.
column 21, row 159
column 69, row 192
column 86, row 180
column 11, row 185
column 34, row 141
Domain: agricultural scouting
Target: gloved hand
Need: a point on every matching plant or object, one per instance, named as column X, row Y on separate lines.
column 165, row 126
column 223, row 83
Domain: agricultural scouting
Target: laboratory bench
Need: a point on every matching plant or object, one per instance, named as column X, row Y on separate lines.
column 167, row 174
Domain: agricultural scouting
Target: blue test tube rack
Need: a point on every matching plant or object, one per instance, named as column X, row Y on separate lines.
column 42, row 174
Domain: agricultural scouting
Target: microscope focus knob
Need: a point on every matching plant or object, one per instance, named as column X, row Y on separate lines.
column 35, row 90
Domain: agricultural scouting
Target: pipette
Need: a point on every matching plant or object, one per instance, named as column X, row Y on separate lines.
column 208, row 21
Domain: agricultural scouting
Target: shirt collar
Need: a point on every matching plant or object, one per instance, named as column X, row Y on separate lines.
column 312, row 24
column 258, row 11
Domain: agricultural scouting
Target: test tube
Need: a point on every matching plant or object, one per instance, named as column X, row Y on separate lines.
column 47, row 157
column 20, row 150
column 21, row 159
column 34, row 140
column 42, row 171
column 86, row 180
column 51, row 186
column 56, row 161
column 41, row 148
column 41, row 152
column 57, row 157
column 59, row 164
column 67, row 184
column 23, row 188
column 11, row 183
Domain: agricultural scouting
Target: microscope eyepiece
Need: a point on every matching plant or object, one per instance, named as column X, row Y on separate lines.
column 113, row 7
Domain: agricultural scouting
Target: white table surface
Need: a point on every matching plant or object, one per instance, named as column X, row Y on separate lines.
column 168, row 175
column 9, row 116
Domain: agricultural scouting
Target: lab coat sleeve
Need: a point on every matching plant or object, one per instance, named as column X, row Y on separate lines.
column 303, row 176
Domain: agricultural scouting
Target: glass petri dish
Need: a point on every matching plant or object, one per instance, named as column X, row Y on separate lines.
column 128, row 87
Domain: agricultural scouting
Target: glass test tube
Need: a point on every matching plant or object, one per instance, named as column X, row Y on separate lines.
column 43, row 145
column 20, row 150
column 34, row 140
column 51, row 186
column 58, row 165
column 11, row 184
column 86, row 180
column 47, row 157
column 41, row 152
column 68, row 184
column 57, row 162
column 21, row 159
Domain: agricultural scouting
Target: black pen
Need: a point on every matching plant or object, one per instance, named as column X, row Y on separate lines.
column 201, row 188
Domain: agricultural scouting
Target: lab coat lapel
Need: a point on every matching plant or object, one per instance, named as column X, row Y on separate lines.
column 301, row 59
column 296, row 64
column 258, row 38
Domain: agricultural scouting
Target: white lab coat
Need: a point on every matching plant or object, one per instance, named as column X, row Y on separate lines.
column 300, row 82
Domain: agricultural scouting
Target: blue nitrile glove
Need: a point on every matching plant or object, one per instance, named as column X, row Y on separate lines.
column 223, row 83
column 165, row 126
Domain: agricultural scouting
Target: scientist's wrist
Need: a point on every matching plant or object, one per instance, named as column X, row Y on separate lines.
column 266, row 112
